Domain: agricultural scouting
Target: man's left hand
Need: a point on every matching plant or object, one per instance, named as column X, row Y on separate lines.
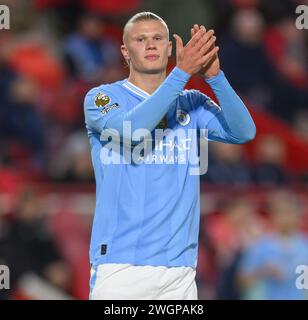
column 212, row 68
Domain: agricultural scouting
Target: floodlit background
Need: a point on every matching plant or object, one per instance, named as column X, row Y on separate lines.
column 254, row 199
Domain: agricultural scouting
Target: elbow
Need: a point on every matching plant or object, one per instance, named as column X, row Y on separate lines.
column 248, row 135
column 251, row 133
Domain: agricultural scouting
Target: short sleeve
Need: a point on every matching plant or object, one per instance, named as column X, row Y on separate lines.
column 100, row 104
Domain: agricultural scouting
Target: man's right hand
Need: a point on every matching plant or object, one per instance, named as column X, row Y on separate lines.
column 197, row 52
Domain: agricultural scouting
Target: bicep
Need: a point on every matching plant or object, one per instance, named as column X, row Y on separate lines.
column 217, row 128
column 210, row 117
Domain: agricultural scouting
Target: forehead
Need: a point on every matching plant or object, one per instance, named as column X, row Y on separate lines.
column 145, row 27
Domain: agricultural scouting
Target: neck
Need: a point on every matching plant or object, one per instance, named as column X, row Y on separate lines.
column 147, row 82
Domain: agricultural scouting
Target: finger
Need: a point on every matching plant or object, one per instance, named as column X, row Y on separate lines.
column 210, row 55
column 179, row 42
column 205, row 59
column 203, row 40
column 196, row 37
column 200, row 27
column 196, row 28
column 210, row 61
column 207, row 46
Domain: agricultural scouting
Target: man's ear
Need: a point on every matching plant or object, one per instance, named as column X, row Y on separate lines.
column 124, row 52
column 170, row 49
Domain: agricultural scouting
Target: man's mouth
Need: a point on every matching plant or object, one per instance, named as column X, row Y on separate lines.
column 152, row 57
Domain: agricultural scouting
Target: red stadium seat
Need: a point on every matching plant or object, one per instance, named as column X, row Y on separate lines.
column 112, row 7
column 33, row 60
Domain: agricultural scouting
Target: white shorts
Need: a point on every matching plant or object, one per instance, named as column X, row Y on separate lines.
column 128, row 282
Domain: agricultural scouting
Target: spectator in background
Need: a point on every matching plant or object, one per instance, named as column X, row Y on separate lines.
column 227, row 165
column 271, row 157
column 287, row 50
column 267, row 269
column 250, row 66
column 75, row 164
column 7, row 76
column 244, row 59
column 300, row 124
column 230, row 232
column 89, row 54
column 29, row 251
column 22, row 125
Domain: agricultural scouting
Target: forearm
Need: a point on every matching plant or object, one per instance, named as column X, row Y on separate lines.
column 147, row 114
column 238, row 121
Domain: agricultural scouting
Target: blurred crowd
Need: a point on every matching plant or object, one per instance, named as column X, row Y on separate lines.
column 250, row 246
column 57, row 50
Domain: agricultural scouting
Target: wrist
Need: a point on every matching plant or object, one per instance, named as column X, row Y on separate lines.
column 180, row 73
column 210, row 75
column 214, row 78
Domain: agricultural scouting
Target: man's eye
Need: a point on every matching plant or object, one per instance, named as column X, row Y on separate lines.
column 157, row 38
column 140, row 39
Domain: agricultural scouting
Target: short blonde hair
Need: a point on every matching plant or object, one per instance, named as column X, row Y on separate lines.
column 144, row 16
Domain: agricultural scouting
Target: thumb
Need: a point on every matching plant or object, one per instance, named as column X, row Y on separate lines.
column 179, row 42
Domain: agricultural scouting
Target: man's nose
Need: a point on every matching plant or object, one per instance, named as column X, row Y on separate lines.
column 150, row 45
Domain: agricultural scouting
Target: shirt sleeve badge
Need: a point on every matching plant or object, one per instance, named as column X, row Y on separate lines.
column 101, row 100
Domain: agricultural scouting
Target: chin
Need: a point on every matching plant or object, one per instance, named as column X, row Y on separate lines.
column 154, row 69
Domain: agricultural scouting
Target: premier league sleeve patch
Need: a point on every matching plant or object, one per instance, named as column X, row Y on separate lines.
column 102, row 100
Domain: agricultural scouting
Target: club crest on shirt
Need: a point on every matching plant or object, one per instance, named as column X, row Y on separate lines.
column 183, row 117
column 101, row 99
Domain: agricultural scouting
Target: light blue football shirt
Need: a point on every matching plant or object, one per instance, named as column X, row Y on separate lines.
column 148, row 214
